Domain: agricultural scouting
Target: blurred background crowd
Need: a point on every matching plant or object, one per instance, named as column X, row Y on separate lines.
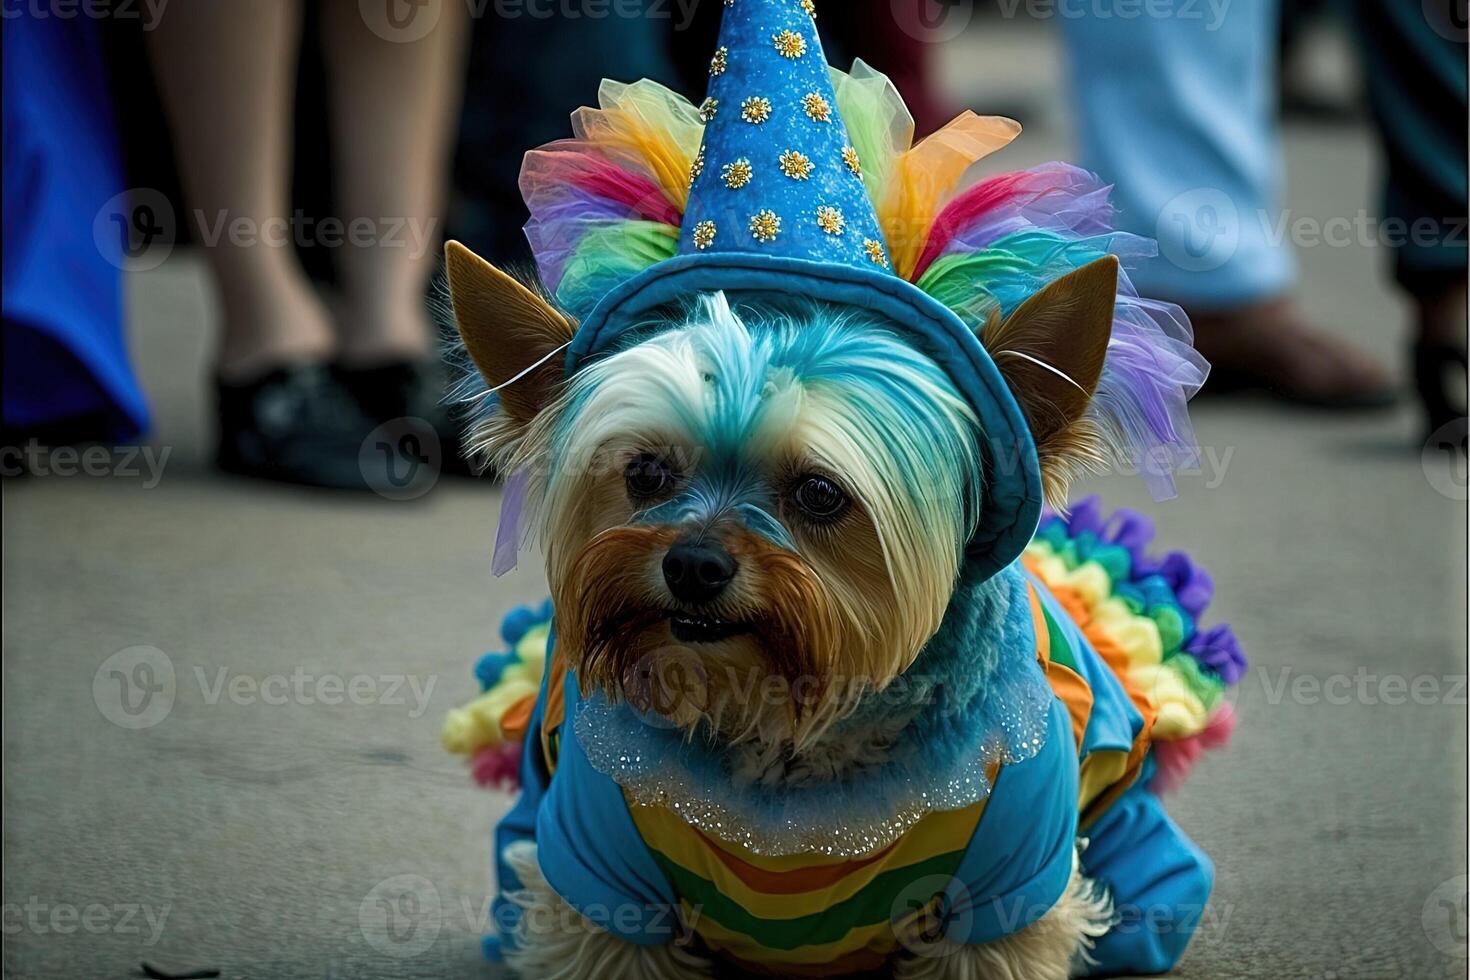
column 351, row 137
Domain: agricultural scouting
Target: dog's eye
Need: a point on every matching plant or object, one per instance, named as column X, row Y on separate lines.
column 820, row 499
column 648, row 476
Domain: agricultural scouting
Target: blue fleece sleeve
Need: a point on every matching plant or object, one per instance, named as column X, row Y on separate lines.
column 591, row 852
column 1020, row 859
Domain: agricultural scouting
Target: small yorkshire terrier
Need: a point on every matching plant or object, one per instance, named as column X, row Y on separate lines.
column 820, row 691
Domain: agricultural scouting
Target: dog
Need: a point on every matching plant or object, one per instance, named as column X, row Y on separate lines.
column 820, row 691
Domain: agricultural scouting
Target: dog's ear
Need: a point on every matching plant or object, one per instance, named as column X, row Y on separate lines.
column 507, row 328
column 1051, row 352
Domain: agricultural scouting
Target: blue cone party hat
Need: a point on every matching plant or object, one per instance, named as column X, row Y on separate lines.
column 777, row 174
column 794, row 179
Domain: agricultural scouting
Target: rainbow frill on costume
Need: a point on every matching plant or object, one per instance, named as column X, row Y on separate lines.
column 1143, row 615
column 490, row 730
column 610, row 203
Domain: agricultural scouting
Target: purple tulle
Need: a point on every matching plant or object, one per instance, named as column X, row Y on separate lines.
column 510, row 535
column 1219, row 650
column 1193, row 588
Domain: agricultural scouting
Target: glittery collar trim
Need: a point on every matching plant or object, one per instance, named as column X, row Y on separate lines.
column 988, row 703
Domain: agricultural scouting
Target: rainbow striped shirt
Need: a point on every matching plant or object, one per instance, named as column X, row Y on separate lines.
column 973, row 874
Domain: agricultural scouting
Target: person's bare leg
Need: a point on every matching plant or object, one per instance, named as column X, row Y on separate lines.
column 394, row 105
column 227, row 73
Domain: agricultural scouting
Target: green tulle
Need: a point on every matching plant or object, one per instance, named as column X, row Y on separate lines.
column 609, row 255
column 878, row 123
column 958, row 281
column 1206, row 686
column 1005, row 273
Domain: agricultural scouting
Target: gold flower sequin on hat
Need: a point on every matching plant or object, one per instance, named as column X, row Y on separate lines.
column 810, row 6
column 850, row 157
column 765, row 225
column 708, row 108
column 831, row 220
column 789, row 44
column 816, row 107
column 697, row 167
column 737, row 174
column 876, row 255
column 796, row 165
column 756, row 109
column 704, row 235
column 720, row 61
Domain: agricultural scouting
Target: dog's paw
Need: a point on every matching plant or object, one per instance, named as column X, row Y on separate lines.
column 554, row 940
column 1051, row 948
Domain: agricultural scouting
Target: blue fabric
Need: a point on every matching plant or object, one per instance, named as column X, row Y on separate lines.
column 1180, row 114
column 1159, row 879
column 592, row 854
column 65, row 355
column 1020, row 858
column 587, row 845
column 1012, row 498
column 755, row 68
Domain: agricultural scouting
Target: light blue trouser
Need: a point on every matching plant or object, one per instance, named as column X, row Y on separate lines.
column 1159, row 881
column 1177, row 108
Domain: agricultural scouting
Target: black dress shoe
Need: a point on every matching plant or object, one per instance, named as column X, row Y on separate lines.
column 410, row 395
column 296, row 424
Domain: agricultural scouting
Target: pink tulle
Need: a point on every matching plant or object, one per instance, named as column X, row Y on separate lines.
column 571, row 189
column 548, row 171
column 1175, row 760
column 498, row 766
column 1050, row 195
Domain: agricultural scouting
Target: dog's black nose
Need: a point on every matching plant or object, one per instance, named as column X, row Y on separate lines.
column 698, row 572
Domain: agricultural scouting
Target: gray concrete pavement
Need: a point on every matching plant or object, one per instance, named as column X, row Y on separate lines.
column 258, row 837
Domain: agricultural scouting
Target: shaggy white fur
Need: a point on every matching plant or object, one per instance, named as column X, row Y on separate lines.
column 555, row 942
column 1051, row 948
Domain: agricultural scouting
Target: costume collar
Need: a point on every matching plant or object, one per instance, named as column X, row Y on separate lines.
column 982, row 701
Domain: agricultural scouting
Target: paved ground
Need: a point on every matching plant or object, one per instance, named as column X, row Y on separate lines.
column 272, row 839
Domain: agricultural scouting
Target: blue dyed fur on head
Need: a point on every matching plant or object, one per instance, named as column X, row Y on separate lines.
column 753, row 515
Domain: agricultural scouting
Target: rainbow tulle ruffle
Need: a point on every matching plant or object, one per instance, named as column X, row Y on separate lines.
column 1143, row 615
column 491, row 729
column 610, row 203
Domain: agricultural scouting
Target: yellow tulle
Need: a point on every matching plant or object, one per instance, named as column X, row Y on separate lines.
column 476, row 725
column 925, row 177
column 647, row 127
column 1180, row 711
column 879, row 125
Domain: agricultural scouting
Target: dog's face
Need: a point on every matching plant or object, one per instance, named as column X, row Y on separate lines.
column 750, row 518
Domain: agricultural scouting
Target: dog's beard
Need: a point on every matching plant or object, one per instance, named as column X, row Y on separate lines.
column 614, row 621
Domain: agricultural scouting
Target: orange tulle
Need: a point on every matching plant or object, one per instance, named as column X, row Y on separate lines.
column 647, row 127
column 924, row 178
